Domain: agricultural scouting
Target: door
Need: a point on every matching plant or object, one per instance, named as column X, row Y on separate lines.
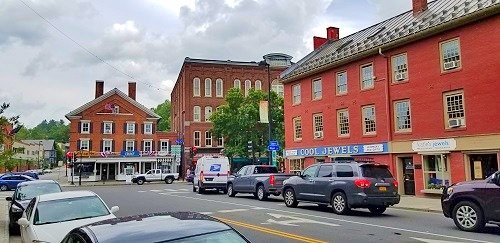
column 322, row 183
column 246, row 182
column 27, row 234
column 305, row 188
column 111, row 171
column 408, row 176
column 238, row 179
column 104, row 174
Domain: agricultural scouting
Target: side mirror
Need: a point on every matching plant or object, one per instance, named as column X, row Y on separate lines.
column 8, row 199
column 236, row 175
column 23, row 222
column 115, row 209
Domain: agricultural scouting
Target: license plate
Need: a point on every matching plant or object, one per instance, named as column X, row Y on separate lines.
column 382, row 188
column 209, row 179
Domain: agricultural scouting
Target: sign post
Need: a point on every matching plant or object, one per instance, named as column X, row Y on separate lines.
column 273, row 147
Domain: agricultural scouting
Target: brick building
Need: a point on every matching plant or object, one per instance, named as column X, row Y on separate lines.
column 417, row 92
column 201, row 87
column 114, row 136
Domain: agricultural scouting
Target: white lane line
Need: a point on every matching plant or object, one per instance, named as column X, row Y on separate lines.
column 340, row 220
column 258, row 208
column 170, row 190
column 431, row 240
column 155, row 190
column 183, row 189
column 171, row 193
column 141, row 191
column 233, row 210
column 206, row 213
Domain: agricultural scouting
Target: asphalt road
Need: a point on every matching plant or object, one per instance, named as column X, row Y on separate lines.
column 272, row 221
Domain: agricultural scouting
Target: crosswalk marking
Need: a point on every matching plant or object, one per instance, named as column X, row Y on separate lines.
column 206, row 213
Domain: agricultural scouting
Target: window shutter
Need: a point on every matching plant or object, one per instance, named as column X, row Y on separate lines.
column 135, row 128
column 102, row 127
column 112, row 128
column 102, row 146
column 125, row 128
column 153, row 128
column 142, row 128
column 78, row 144
column 90, row 127
column 152, row 145
column 138, row 145
column 79, row 127
column 90, row 145
column 159, row 146
column 112, row 146
column 124, row 146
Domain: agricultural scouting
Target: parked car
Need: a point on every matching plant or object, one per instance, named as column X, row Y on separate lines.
column 47, row 171
column 211, row 172
column 26, row 191
column 49, row 217
column 261, row 180
column 10, row 181
column 344, row 186
column 158, row 227
column 155, row 175
column 26, row 173
column 472, row 204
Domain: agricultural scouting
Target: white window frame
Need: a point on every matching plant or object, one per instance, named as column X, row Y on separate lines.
column 248, row 86
column 317, row 89
column 296, row 165
column 258, row 85
column 398, row 117
column 164, row 145
column 341, row 88
column 220, row 142
column 146, row 126
column 454, row 113
column 196, row 87
column 116, row 109
column 219, row 88
column 296, row 94
column 399, row 66
column 343, row 126
column 318, row 125
column 197, row 113
column 82, row 127
column 87, row 144
column 196, row 138
column 130, row 127
column 208, row 87
column 144, row 147
column 237, row 84
column 105, row 146
column 455, row 58
column 279, row 89
column 127, row 145
column 297, row 129
column 107, row 130
column 208, row 139
column 367, row 80
column 367, row 122
column 442, row 170
column 208, row 113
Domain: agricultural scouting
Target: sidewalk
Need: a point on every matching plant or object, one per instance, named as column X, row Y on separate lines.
column 4, row 217
column 420, row 204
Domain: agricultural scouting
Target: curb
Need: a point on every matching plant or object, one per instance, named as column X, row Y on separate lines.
column 123, row 184
column 418, row 209
column 5, row 218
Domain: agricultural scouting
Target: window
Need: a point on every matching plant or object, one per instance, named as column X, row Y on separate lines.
column 148, row 128
column 208, row 87
column 85, row 144
column 116, row 109
column 454, row 109
column 258, row 85
column 317, row 89
column 237, row 84
column 343, row 122
column 296, row 94
column 129, row 145
column 197, row 138
column 325, row 171
column 85, row 127
column 248, row 86
column 297, row 128
column 196, row 113
column 296, row 166
column 436, row 173
column 220, row 142
column 107, row 128
column 208, row 139
column 310, row 171
column 196, row 87
column 107, row 145
column 318, row 125
column 342, row 82
column 399, row 68
column 208, row 113
column 148, row 145
column 450, row 54
column 369, row 126
column 130, row 128
column 164, row 145
column 402, row 113
column 366, row 76
column 219, row 88
column 279, row 89
column 344, row 171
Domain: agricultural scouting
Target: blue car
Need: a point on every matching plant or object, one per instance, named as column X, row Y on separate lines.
column 26, row 173
column 10, row 181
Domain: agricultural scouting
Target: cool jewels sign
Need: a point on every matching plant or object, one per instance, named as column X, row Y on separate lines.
column 434, row 145
column 357, row 149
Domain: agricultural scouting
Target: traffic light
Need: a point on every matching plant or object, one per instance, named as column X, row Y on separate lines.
column 193, row 151
column 250, row 146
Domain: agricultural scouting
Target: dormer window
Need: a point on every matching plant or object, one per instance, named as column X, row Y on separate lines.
column 116, row 109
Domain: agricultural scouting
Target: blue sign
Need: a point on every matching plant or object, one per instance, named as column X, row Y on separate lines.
column 357, row 149
column 273, row 143
column 215, row 167
column 133, row 153
column 273, row 146
column 179, row 141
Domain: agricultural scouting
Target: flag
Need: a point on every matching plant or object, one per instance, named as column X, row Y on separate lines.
column 263, row 111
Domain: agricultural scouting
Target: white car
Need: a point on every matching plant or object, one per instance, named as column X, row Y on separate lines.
column 47, row 171
column 49, row 217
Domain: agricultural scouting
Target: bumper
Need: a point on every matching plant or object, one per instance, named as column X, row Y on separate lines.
column 276, row 190
column 446, row 206
column 213, row 185
column 134, row 180
column 362, row 200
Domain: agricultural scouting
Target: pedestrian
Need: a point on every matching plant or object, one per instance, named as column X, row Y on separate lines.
column 188, row 172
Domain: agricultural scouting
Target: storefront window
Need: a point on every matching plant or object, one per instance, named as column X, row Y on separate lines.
column 482, row 165
column 436, row 172
column 296, row 166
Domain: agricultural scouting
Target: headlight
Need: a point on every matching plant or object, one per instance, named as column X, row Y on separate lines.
column 449, row 190
column 16, row 209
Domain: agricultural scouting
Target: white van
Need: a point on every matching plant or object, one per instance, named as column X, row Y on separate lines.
column 211, row 173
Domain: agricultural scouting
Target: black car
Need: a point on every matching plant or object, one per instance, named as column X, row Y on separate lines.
column 472, row 204
column 157, row 227
column 25, row 191
column 344, row 185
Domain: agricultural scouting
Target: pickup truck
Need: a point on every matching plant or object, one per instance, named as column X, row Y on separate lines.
column 261, row 180
column 155, row 175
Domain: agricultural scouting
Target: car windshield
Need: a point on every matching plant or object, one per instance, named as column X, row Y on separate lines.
column 375, row 171
column 30, row 191
column 221, row 236
column 265, row 170
column 67, row 209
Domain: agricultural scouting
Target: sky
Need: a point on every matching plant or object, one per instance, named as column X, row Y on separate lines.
column 44, row 74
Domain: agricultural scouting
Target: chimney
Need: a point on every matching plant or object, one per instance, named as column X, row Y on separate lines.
column 99, row 88
column 131, row 89
column 419, row 6
column 332, row 33
column 318, row 41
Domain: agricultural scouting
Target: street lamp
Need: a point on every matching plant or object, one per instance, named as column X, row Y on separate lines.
column 262, row 64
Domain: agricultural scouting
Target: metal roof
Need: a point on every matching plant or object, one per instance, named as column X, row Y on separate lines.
column 228, row 62
column 47, row 144
column 401, row 29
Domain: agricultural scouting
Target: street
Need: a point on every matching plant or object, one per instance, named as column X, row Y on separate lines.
column 271, row 221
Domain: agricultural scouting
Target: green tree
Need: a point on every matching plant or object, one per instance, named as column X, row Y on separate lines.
column 52, row 129
column 163, row 110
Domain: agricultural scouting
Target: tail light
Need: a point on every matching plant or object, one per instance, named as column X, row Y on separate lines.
column 228, row 173
column 272, row 180
column 201, row 176
column 362, row 183
column 395, row 182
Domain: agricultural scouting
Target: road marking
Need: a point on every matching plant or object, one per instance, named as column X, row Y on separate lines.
column 271, row 231
column 293, row 221
column 340, row 220
column 258, row 208
column 170, row 193
column 141, row 191
column 183, row 189
column 206, row 213
column 170, row 190
column 233, row 210
column 155, row 190
column 431, row 240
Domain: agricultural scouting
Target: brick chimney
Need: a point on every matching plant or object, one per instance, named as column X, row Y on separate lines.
column 332, row 33
column 419, row 6
column 132, row 87
column 318, row 41
column 99, row 88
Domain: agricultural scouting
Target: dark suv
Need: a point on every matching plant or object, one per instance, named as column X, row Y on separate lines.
column 472, row 204
column 344, row 186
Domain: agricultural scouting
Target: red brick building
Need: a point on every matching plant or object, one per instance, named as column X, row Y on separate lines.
column 114, row 136
column 417, row 92
column 202, row 86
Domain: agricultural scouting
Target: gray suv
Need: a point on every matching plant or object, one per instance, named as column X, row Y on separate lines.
column 345, row 186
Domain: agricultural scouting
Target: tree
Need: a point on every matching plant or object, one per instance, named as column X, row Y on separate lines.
column 6, row 122
column 163, row 110
column 52, row 129
column 238, row 122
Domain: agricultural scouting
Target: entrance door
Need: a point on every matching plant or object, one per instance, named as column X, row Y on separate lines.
column 111, row 171
column 482, row 165
column 104, row 173
column 408, row 176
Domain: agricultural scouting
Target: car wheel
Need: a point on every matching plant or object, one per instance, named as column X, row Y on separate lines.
column 339, row 203
column 377, row 210
column 468, row 216
column 4, row 188
column 290, row 199
column 261, row 193
column 194, row 188
column 200, row 190
column 140, row 181
column 230, row 190
column 169, row 180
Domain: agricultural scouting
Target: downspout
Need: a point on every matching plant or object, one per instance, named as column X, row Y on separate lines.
column 388, row 103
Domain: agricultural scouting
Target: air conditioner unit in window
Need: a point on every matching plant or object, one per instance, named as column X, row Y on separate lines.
column 452, row 123
column 318, row 134
column 400, row 76
column 451, row 65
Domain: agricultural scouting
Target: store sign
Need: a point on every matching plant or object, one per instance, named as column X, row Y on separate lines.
column 133, row 153
column 434, row 145
column 357, row 149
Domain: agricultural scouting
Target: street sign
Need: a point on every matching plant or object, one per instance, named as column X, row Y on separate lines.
column 179, row 141
column 176, row 149
column 275, row 158
column 273, row 146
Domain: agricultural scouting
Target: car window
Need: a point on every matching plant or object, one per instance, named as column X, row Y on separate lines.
column 375, row 171
column 266, row 170
column 325, row 171
column 243, row 170
column 30, row 191
column 310, row 172
column 220, row 236
column 66, row 209
column 344, row 171
column 29, row 208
